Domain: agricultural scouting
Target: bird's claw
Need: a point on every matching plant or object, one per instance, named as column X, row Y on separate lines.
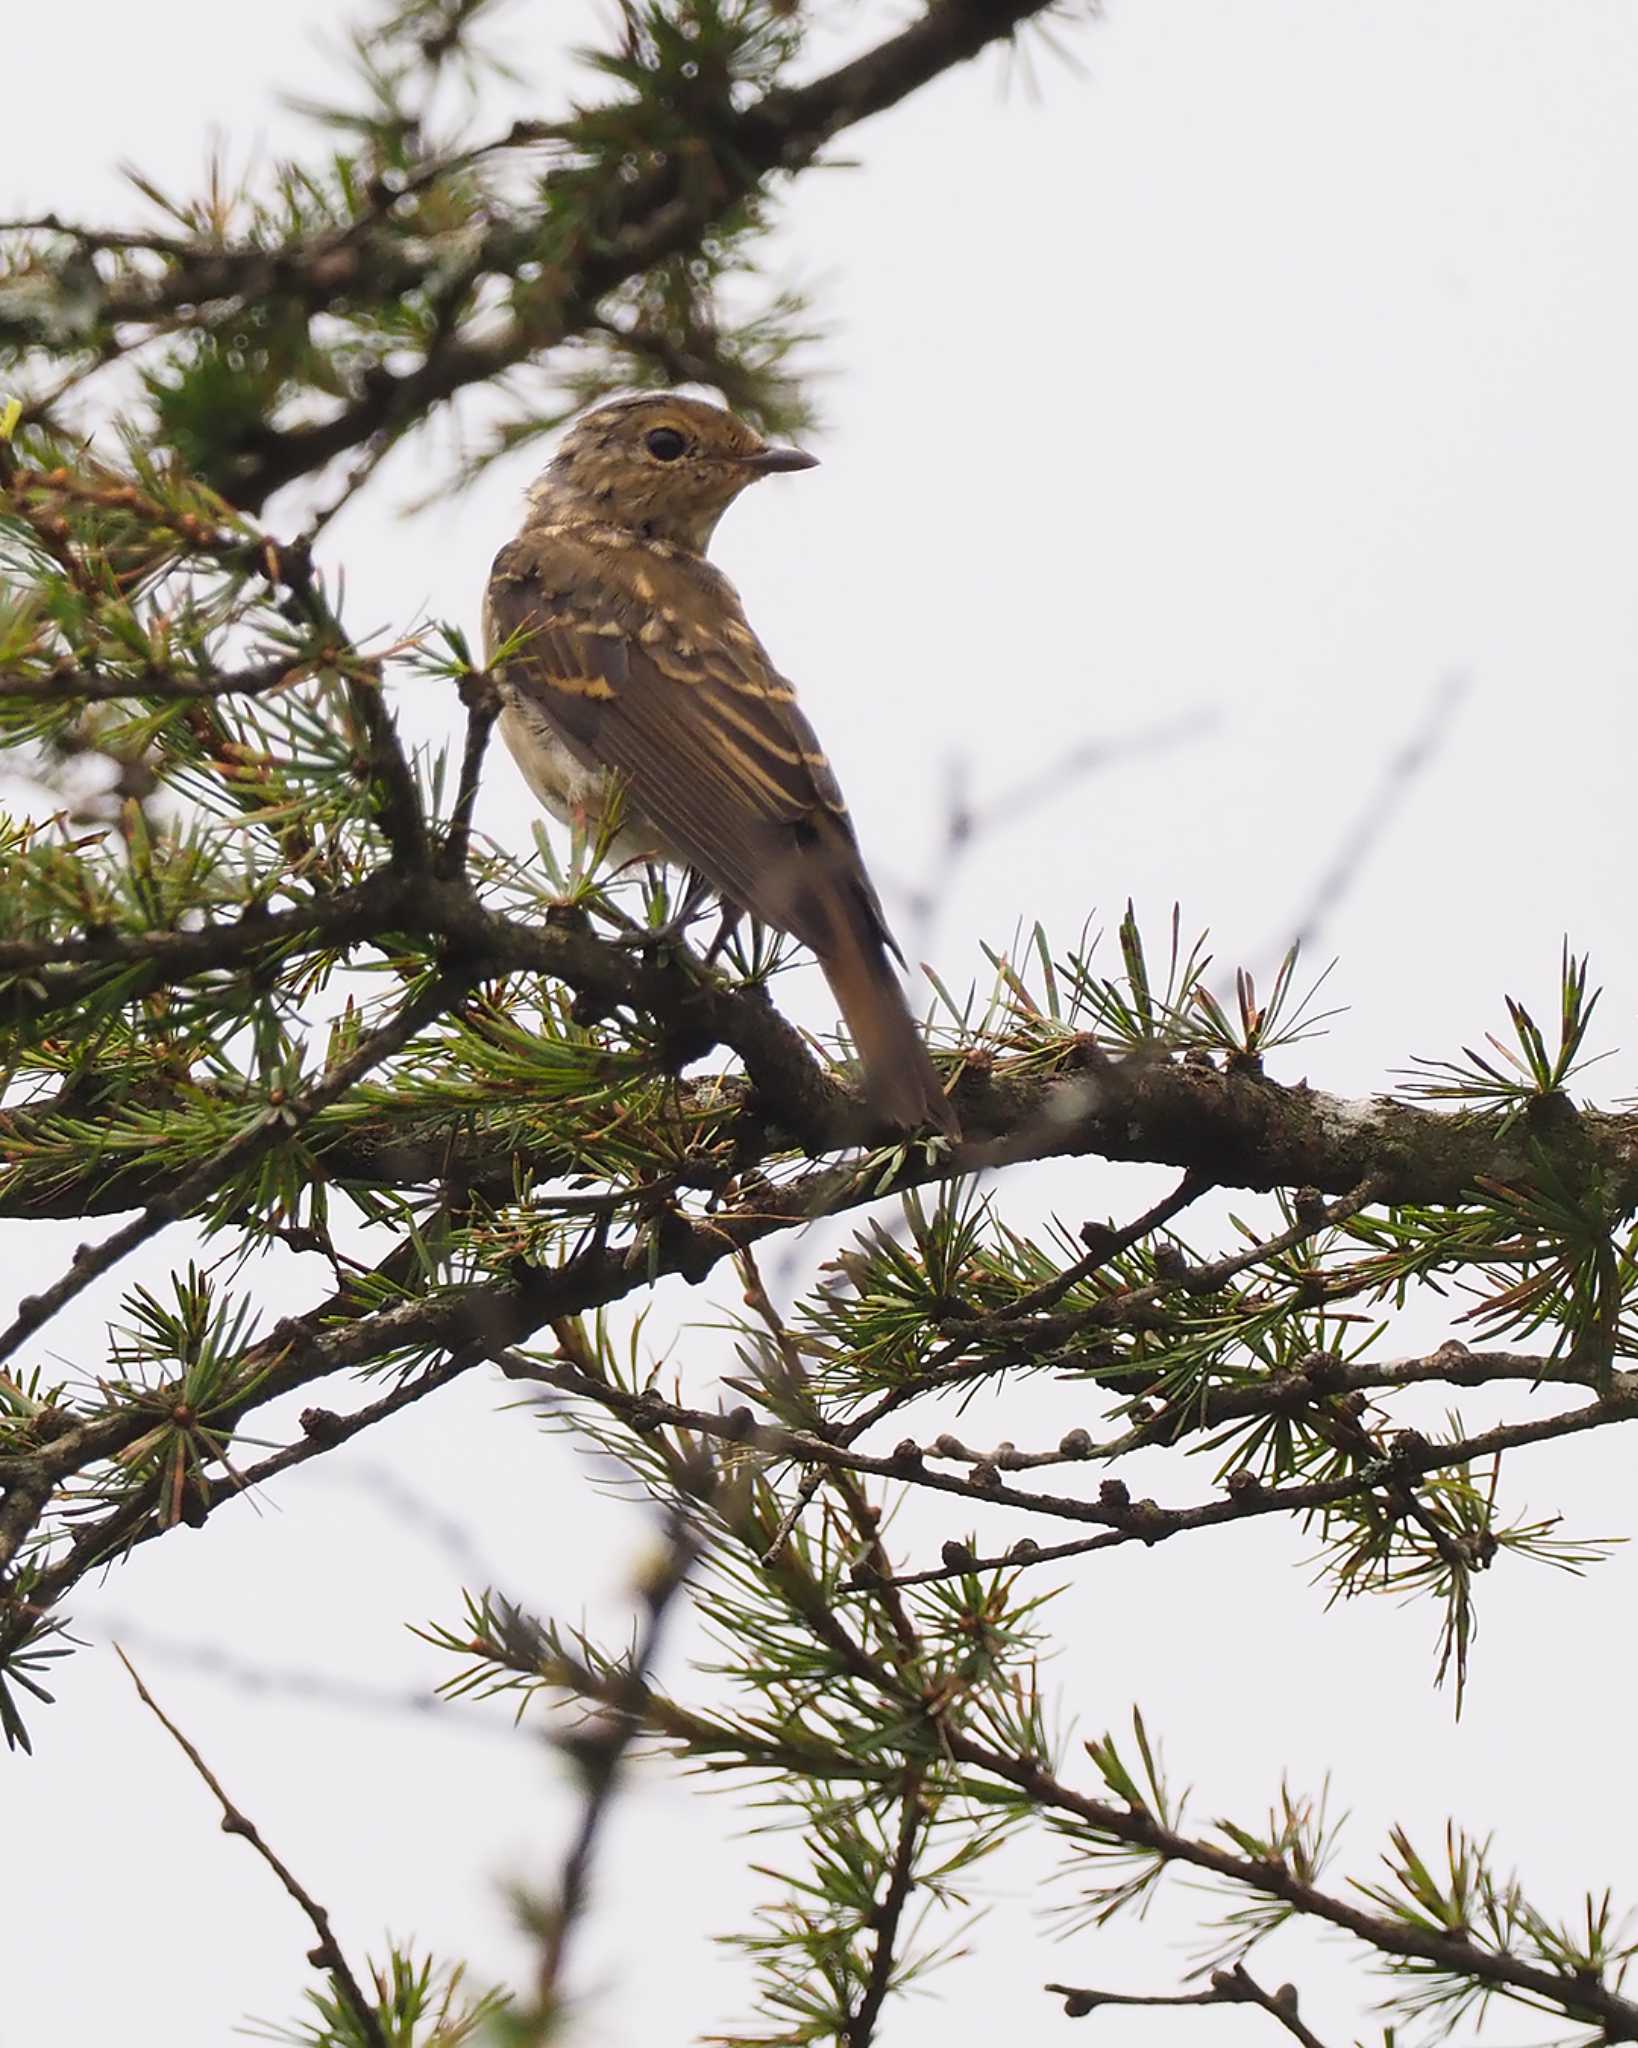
column 656, row 937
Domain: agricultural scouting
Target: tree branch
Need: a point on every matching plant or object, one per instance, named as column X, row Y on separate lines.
column 280, row 1120
column 600, row 1752
column 1228, row 1987
column 861, row 2026
column 1231, row 1130
column 640, row 225
column 328, row 1954
column 1580, row 1996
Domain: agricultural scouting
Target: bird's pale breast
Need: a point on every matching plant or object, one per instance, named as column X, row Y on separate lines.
column 574, row 792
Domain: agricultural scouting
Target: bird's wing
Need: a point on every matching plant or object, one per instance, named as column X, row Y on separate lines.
column 646, row 667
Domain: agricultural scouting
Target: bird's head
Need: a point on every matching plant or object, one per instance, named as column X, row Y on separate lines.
column 665, row 466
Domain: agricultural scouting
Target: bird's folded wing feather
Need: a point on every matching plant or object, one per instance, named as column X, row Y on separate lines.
column 645, row 666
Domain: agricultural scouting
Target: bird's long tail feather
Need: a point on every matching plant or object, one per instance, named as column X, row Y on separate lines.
column 900, row 1079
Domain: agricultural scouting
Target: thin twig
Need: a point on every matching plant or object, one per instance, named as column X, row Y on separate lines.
column 860, row 2029
column 796, row 1375
column 1399, row 773
column 83, row 686
column 806, row 1487
column 965, row 823
column 482, row 702
column 1581, row 1993
column 601, row 1755
column 402, row 817
column 207, row 1658
column 1111, row 1245
column 327, row 1955
column 1126, row 1520
column 946, row 1366
column 1106, row 1245
column 1228, row 1987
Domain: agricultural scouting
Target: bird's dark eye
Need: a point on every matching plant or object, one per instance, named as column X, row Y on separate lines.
column 665, row 444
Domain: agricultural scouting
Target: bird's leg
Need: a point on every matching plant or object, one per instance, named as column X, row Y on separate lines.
column 695, row 891
column 731, row 915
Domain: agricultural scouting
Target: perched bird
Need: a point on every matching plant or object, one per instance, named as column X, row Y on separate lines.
column 634, row 670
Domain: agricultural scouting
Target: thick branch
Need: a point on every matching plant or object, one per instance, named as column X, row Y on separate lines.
column 1234, row 1130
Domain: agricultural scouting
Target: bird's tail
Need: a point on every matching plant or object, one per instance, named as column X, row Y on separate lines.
column 821, row 893
column 900, row 1080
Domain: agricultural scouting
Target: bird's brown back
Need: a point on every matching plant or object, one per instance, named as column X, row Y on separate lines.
column 631, row 667
column 639, row 655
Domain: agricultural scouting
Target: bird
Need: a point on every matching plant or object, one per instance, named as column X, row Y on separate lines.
column 629, row 675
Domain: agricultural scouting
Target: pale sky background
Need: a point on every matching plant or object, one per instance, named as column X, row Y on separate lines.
column 1281, row 363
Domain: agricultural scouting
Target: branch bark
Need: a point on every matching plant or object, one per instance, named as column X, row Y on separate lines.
column 1232, row 1130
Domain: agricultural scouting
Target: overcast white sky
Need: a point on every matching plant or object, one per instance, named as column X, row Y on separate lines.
column 1280, row 364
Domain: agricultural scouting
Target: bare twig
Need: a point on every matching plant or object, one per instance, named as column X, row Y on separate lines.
column 966, row 823
column 1399, row 773
column 327, row 1955
column 1228, row 1987
column 1123, row 1519
column 600, row 1749
column 482, row 702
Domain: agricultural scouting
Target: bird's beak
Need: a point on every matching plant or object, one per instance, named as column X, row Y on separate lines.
column 775, row 461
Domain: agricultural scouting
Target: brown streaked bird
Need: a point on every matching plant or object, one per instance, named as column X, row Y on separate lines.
column 635, row 670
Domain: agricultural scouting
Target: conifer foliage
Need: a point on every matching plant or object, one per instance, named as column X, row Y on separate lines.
column 261, row 980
